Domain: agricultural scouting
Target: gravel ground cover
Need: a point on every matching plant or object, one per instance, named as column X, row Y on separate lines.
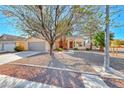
column 61, row 61
column 114, row 82
column 40, row 59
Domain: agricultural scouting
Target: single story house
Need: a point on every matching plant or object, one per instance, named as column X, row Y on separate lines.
column 9, row 42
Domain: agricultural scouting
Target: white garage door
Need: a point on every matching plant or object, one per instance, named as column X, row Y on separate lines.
column 9, row 47
column 0, row 47
column 36, row 46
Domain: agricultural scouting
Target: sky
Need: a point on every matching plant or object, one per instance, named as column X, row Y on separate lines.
column 6, row 28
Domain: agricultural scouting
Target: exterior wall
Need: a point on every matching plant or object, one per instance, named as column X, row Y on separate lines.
column 61, row 43
column 56, row 45
column 79, row 43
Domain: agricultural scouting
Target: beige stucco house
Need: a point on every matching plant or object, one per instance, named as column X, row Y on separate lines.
column 9, row 42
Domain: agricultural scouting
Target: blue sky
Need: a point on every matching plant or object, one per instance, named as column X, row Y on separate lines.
column 6, row 28
column 119, row 20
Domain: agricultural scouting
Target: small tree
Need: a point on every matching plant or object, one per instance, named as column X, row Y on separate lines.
column 99, row 39
column 44, row 22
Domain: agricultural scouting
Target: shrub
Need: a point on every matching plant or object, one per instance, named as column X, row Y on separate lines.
column 19, row 48
column 99, row 39
column 59, row 49
column 75, row 49
column 87, row 49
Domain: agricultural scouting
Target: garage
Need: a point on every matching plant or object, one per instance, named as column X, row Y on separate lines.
column 9, row 47
column 36, row 46
column 0, row 47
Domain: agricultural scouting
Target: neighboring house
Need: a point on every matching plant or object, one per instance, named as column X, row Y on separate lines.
column 9, row 42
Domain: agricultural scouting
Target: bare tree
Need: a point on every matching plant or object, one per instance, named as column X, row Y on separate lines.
column 44, row 22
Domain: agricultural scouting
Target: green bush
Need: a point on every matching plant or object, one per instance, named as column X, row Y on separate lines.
column 59, row 49
column 19, row 48
column 75, row 49
column 87, row 49
column 99, row 39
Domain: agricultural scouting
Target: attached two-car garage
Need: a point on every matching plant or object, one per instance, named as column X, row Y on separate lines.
column 36, row 46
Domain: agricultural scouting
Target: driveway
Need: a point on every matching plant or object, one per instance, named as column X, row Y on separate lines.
column 6, row 58
column 11, row 82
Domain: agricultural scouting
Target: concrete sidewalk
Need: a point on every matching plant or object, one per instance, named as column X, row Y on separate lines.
column 90, row 81
column 11, row 82
column 6, row 58
column 93, row 81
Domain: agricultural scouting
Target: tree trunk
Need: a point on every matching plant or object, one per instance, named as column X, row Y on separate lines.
column 101, row 48
column 51, row 49
column 91, row 45
column 91, row 42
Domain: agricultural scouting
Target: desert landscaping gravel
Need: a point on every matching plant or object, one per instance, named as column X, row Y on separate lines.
column 41, row 59
column 114, row 82
column 57, row 61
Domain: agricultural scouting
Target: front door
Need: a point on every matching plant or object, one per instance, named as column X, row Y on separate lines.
column 71, row 44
